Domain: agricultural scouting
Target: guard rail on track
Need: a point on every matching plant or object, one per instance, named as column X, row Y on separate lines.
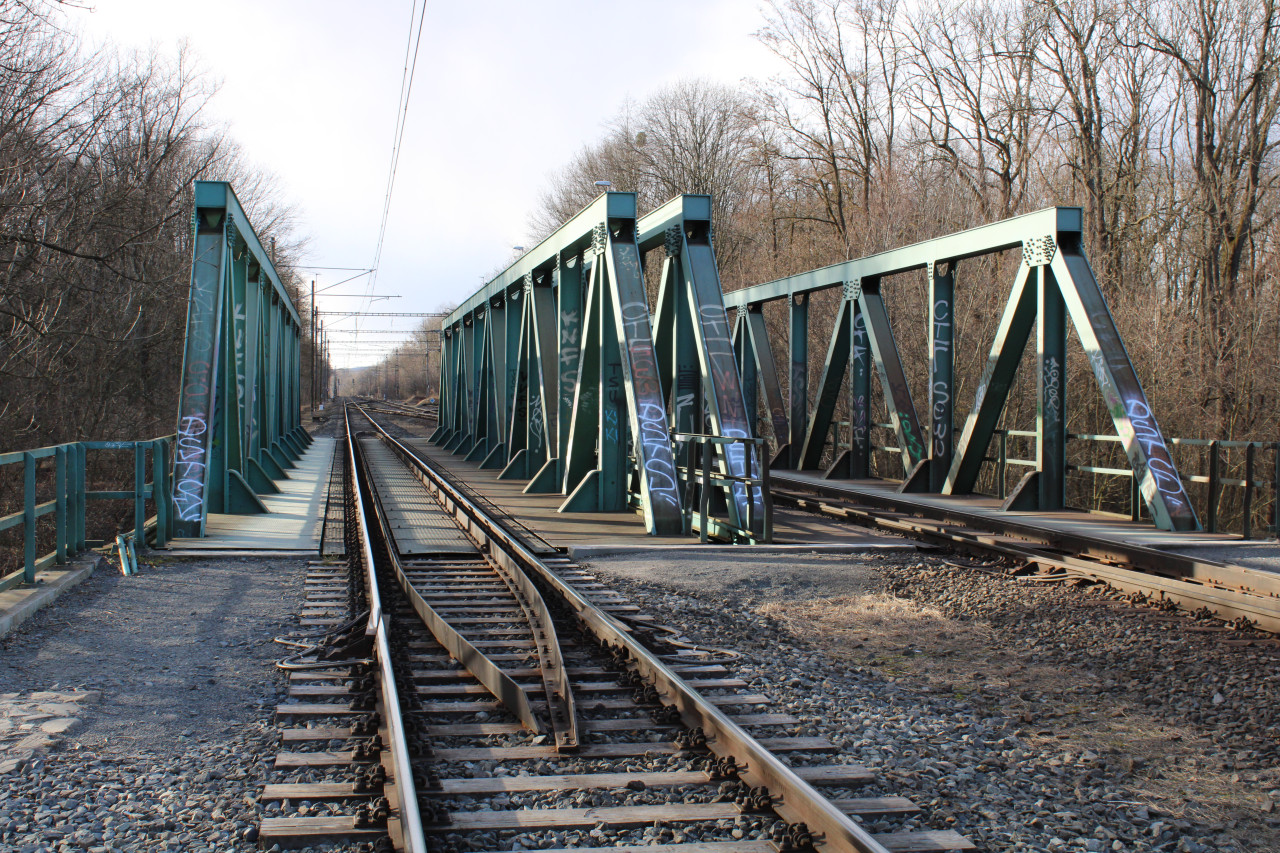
column 795, row 800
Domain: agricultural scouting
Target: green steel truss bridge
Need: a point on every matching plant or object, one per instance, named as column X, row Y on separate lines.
column 239, row 414
column 557, row 372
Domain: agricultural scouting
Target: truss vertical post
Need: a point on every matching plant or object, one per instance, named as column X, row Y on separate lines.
column 659, row 491
column 544, row 461
column 1051, row 393
column 893, row 378
column 581, row 482
column 744, row 347
column 798, row 389
column 570, row 297
column 723, row 392
column 612, row 451
column 239, row 370
column 942, row 390
column 767, row 371
column 687, row 401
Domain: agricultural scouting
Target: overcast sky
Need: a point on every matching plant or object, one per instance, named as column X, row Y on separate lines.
column 505, row 92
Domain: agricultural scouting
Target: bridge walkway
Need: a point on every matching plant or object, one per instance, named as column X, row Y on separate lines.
column 295, row 518
column 1068, row 522
column 538, row 512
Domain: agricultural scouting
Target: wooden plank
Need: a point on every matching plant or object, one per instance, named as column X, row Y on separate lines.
column 291, row 832
column 316, row 759
column 533, row 672
column 567, row 782
column 693, row 847
column 463, row 707
column 525, row 819
column 831, row 775
column 298, row 734
column 875, row 806
column 314, row 791
column 624, row 724
column 580, row 688
column 617, row 816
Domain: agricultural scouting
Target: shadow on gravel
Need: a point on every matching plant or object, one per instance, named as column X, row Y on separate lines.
column 185, row 644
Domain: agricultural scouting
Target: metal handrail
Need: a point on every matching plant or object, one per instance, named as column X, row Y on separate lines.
column 757, row 458
column 71, row 496
column 1213, row 479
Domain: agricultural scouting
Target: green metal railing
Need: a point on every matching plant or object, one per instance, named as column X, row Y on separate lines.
column 1254, row 479
column 70, row 498
column 701, row 474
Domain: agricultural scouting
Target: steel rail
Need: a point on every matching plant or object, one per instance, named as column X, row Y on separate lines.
column 502, row 686
column 375, row 598
column 412, row 836
column 794, row 799
column 561, row 708
column 1186, row 581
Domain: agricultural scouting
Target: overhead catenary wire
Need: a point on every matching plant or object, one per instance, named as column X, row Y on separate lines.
column 402, row 115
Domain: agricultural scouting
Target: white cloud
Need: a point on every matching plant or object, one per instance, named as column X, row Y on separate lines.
column 505, row 92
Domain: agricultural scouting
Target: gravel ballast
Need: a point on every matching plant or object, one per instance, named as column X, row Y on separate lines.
column 1027, row 716
column 173, row 752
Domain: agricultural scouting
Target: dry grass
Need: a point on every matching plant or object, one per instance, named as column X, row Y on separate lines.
column 899, row 635
column 1173, row 768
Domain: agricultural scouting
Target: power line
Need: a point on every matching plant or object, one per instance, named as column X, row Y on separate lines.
column 402, row 120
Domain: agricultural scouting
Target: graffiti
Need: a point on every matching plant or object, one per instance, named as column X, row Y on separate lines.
column 238, row 321
column 1052, row 391
column 1159, row 463
column 189, row 467
column 536, row 428
column 653, row 446
column 941, row 420
column 914, row 447
column 198, row 398
column 860, row 341
column 940, row 363
column 941, row 327
column 570, row 337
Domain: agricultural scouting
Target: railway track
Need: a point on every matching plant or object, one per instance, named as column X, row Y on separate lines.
column 1247, row 598
column 492, row 693
column 1243, row 597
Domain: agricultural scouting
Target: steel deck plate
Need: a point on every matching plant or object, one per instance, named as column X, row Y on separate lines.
column 418, row 523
